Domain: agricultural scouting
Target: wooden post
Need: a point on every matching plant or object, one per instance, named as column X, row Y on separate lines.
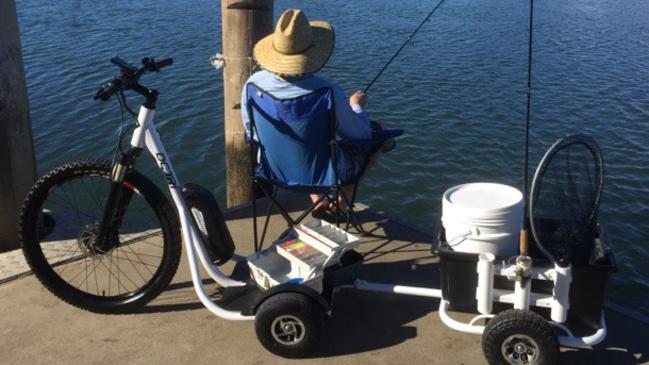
column 243, row 23
column 17, row 166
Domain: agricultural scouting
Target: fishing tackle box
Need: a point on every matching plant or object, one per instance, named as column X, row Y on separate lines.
column 459, row 280
column 307, row 254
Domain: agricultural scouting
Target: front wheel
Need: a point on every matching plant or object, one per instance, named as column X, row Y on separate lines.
column 520, row 337
column 59, row 225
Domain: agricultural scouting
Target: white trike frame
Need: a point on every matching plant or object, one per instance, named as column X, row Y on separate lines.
column 146, row 135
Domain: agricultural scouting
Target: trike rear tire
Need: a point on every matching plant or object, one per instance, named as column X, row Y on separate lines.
column 520, row 337
column 289, row 324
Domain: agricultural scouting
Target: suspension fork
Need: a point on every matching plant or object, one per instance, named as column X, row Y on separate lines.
column 118, row 199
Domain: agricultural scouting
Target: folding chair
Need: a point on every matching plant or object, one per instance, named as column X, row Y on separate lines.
column 295, row 146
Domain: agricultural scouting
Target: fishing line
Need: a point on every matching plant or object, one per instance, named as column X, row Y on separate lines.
column 402, row 46
column 523, row 238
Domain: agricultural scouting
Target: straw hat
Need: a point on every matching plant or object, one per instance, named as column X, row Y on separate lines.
column 297, row 46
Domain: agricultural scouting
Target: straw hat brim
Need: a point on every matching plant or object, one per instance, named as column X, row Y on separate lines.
column 309, row 61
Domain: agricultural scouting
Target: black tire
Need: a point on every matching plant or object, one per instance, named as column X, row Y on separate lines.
column 520, row 337
column 155, row 263
column 304, row 318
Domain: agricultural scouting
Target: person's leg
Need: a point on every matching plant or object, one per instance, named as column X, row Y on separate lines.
column 372, row 160
column 358, row 155
column 348, row 190
column 324, row 204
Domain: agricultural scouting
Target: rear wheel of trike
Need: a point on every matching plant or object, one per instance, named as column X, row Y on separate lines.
column 59, row 225
column 289, row 324
column 520, row 337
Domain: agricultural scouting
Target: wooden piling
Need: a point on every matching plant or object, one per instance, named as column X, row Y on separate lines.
column 17, row 166
column 243, row 23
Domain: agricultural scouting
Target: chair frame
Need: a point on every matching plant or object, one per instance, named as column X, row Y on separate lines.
column 335, row 189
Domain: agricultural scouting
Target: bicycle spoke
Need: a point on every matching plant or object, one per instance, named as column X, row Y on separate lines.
column 94, row 196
column 118, row 281
column 97, row 281
column 150, row 243
column 123, row 273
column 134, row 267
column 65, row 266
column 76, row 208
column 69, row 207
column 110, row 269
column 158, row 233
column 60, row 249
column 81, row 272
column 117, row 264
column 148, row 255
column 85, row 269
column 137, row 239
column 140, row 260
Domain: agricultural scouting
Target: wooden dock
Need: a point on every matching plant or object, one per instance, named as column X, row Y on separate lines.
column 366, row 328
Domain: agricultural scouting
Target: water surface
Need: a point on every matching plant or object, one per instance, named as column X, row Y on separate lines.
column 458, row 90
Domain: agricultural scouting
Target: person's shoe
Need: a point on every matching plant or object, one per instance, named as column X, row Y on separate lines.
column 328, row 215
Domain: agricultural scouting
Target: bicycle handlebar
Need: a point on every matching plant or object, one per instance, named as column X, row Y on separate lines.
column 129, row 76
column 164, row 63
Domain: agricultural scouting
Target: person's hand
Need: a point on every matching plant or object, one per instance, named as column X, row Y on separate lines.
column 358, row 98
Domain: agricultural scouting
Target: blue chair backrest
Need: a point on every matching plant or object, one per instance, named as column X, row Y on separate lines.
column 294, row 136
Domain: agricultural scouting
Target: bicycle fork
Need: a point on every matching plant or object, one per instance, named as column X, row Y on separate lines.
column 117, row 202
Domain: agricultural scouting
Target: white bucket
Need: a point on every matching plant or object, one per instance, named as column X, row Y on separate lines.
column 483, row 218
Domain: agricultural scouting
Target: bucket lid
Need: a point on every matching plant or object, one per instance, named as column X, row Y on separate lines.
column 483, row 196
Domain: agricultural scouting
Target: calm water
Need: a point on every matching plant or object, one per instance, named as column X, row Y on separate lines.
column 458, row 91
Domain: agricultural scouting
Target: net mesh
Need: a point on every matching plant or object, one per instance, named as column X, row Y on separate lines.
column 565, row 200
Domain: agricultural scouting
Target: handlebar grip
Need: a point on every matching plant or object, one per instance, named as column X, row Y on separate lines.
column 149, row 64
column 164, row 63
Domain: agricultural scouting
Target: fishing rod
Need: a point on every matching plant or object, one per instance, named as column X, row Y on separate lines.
column 524, row 228
column 401, row 48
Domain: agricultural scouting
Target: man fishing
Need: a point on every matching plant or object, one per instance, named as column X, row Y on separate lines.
column 289, row 58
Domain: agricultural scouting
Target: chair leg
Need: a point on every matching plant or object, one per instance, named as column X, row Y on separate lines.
column 352, row 218
column 336, row 204
column 254, row 218
column 268, row 213
column 358, row 223
column 282, row 211
column 349, row 212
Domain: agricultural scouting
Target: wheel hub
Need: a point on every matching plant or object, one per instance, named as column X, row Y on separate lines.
column 88, row 240
column 520, row 350
column 288, row 330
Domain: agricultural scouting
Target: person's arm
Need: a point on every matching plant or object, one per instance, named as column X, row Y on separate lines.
column 352, row 122
column 245, row 118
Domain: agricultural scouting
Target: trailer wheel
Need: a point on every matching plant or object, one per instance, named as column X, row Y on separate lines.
column 289, row 324
column 520, row 337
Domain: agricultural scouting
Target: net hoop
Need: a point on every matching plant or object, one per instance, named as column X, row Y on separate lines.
column 574, row 139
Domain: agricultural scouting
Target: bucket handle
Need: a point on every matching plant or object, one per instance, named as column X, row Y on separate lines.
column 462, row 237
column 473, row 231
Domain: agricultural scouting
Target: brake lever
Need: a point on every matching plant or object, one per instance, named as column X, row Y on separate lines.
column 107, row 90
